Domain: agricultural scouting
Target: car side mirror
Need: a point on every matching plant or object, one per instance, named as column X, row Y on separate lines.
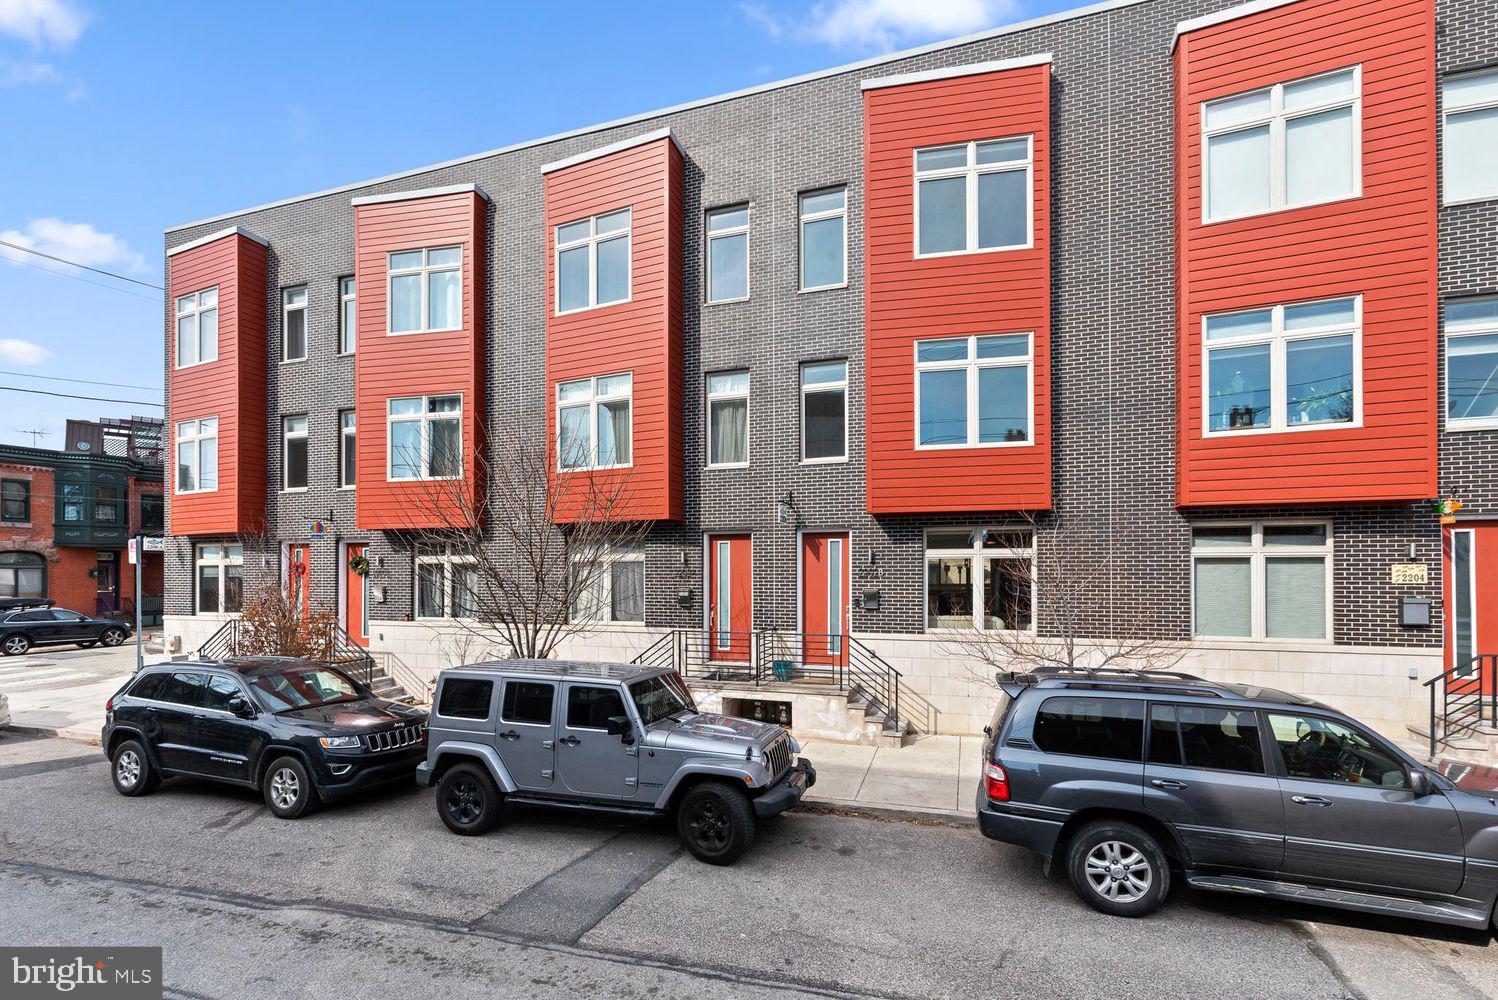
column 241, row 708
column 619, row 725
column 1419, row 782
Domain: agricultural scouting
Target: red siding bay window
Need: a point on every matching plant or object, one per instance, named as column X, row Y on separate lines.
column 418, row 369
column 216, row 337
column 613, row 330
column 957, row 355
column 1307, row 296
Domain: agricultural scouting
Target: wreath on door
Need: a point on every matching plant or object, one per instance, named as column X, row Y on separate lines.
column 358, row 565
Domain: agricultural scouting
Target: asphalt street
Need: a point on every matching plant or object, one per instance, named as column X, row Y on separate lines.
column 377, row 898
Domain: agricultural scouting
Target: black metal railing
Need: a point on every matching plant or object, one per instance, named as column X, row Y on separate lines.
column 1463, row 698
column 331, row 645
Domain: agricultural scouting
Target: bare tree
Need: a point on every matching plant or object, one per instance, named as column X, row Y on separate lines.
column 528, row 548
column 275, row 623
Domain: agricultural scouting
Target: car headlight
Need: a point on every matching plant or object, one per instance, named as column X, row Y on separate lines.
column 339, row 742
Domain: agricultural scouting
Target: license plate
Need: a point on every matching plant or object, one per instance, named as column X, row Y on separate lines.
column 798, row 779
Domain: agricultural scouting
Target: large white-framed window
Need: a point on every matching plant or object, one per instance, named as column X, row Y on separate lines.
column 595, row 422
column 1472, row 364
column 1283, row 368
column 197, row 327
column 727, row 419
column 425, row 290
column 197, row 455
column 347, row 439
column 447, row 585
column 980, row 578
column 824, row 412
column 1286, row 146
column 593, row 261
column 824, row 239
column 974, row 197
column 219, row 577
column 728, row 254
column 1262, row 580
column 1469, row 111
column 425, row 437
column 348, row 316
column 974, row 392
column 294, row 324
column 294, row 453
column 616, row 590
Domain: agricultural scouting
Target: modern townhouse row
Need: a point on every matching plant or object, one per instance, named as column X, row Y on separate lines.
column 1195, row 303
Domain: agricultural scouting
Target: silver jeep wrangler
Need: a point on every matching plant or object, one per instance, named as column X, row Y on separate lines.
column 616, row 737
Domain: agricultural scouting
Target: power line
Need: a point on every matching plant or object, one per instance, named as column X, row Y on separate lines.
column 69, row 395
column 83, row 381
column 74, row 263
column 78, row 277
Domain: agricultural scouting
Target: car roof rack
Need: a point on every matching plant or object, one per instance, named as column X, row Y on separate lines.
column 25, row 603
column 1108, row 679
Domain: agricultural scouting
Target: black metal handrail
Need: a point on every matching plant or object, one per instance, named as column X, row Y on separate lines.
column 334, row 646
column 1463, row 698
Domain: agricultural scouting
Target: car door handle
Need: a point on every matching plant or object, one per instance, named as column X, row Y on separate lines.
column 1310, row 800
column 512, row 736
column 569, row 741
column 547, row 745
column 1168, row 783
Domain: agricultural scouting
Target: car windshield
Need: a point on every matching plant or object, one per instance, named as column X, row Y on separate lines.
column 303, row 687
column 661, row 697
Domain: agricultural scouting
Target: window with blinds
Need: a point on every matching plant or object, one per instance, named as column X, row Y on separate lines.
column 1262, row 580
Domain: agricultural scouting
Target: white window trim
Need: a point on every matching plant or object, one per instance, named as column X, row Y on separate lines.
column 972, row 364
column 1447, row 110
column 1460, row 424
column 425, row 271
column 196, row 439
column 1257, row 552
column 348, row 339
column 808, row 217
column 447, row 561
column 1276, row 120
column 220, row 563
column 347, row 438
column 605, row 569
column 592, row 404
column 708, row 236
column 707, row 418
column 287, row 308
column 976, row 554
column 287, row 436
column 1278, row 339
column 426, row 419
column 592, row 241
column 842, row 385
column 196, row 310
column 971, row 172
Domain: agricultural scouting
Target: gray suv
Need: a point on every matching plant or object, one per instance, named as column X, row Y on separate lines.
column 1132, row 778
column 616, row 737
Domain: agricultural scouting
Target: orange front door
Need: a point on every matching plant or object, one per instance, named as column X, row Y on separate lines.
column 355, row 598
column 824, row 598
column 730, row 590
column 1470, row 561
column 299, row 577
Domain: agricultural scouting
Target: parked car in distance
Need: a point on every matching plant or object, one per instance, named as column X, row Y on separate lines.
column 298, row 732
column 617, row 737
column 26, row 624
column 4, row 711
column 1130, row 779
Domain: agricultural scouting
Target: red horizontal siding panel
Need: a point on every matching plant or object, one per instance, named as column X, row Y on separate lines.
column 231, row 388
column 642, row 336
column 1381, row 245
column 416, row 364
column 909, row 299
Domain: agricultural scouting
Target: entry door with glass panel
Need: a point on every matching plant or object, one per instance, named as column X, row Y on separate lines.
column 299, row 578
column 355, row 597
column 730, row 589
column 824, row 598
column 1471, row 582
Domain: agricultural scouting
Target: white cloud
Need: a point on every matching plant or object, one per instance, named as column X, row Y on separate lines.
column 883, row 24
column 57, row 23
column 78, row 242
column 22, row 352
column 26, row 74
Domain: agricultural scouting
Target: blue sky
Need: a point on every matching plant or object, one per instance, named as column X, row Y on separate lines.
column 123, row 118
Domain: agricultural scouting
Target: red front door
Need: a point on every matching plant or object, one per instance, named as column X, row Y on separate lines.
column 730, row 590
column 1470, row 562
column 355, row 598
column 824, row 598
column 299, row 577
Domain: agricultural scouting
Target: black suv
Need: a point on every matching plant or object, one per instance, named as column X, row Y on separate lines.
column 1130, row 778
column 39, row 624
column 300, row 732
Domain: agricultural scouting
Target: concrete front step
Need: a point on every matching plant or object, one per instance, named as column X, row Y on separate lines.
column 818, row 711
column 1479, row 745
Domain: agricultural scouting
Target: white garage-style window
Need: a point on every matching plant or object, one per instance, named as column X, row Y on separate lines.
column 425, row 290
column 447, row 585
column 728, row 419
column 592, row 262
column 1284, row 368
column 1472, row 364
column 980, row 578
column 616, row 592
column 1469, row 106
column 973, row 391
column 1262, row 580
column 219, row 578
column 197, row 327
column 973, row 197
column 425, row 437
column 595, row 422
column 197, row 455
column 1285, row 146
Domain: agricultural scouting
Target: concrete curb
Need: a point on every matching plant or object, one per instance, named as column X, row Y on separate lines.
column 890, row 813
column 67, row 733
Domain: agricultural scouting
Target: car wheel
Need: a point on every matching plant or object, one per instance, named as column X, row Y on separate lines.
column 112, row 637
column 14, row 645
column 1118, row 868
column 716, row 822
column 132, row 771
column 288, row 788
column 468, row 800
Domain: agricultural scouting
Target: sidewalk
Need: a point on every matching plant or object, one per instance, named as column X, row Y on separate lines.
column 935, row 776
column 74, row 711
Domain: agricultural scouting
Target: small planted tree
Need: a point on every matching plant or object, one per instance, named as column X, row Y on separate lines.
column 273, row 624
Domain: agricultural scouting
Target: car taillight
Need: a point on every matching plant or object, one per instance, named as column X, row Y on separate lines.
column 995, row 782
column 109, row 705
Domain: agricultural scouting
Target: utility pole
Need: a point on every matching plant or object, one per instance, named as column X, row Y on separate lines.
column 140, row 557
